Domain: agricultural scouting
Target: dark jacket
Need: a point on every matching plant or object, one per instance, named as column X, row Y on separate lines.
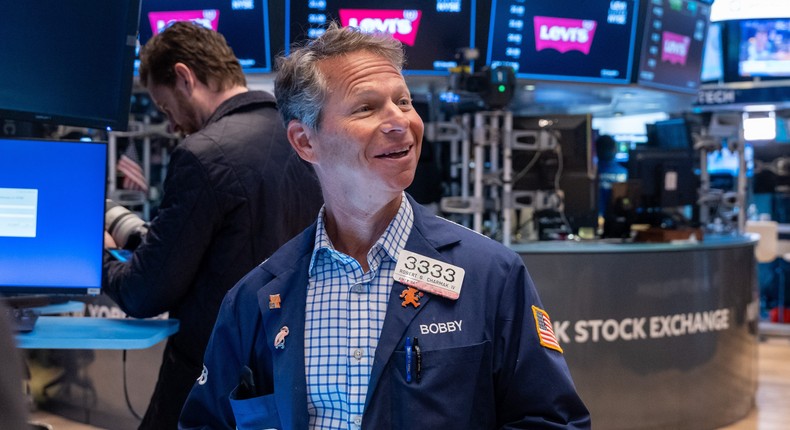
column 483, row 363
column 235, row 191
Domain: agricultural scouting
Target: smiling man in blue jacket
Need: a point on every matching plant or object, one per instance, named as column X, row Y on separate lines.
column 380, row 315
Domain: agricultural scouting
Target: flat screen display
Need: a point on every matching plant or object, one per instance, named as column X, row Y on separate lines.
column 713, row 55
column 244, row 23
column 565, row 40
column 764, row 48
column 432, row 32
column 68, row 62
column 724, row 161
column 52, row 196
column 672, row 43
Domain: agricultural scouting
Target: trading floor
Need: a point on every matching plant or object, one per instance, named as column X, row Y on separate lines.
column 770, row 413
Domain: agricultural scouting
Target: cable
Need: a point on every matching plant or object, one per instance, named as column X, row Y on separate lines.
column 126, row 391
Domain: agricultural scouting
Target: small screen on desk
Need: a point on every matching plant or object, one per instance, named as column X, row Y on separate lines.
column 51, row 216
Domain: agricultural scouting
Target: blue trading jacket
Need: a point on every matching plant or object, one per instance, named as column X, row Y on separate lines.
column 483, row 366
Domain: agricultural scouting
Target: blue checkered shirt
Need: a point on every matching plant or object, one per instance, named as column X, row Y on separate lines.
column 344, row 314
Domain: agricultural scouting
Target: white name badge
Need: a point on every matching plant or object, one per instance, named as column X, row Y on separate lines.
column 429, row 275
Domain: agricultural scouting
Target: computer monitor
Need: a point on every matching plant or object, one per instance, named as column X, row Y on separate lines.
column 665, row 177
column 68, row 62
column 564, row 40
column 433, row 33
column 672, row 133
column 570, row 168
column 244, row 24
column 52, row 197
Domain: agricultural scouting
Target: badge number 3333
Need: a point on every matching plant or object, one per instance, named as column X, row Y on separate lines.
column 429, row 275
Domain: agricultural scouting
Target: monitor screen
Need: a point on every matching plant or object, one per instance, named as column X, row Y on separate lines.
column 432, row 32
column 564, row 40
column 665, row 177
column 244, row 23
column 726, row 162
column 672, row 133
column 52, row 196
column 672, row 43
column 713, row 55
column 68, row 62
column 764, row 48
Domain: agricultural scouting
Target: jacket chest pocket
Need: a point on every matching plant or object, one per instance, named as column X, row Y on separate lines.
column 255, row 413
column 453, row 388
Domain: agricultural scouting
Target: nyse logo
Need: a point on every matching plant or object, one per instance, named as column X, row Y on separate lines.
column 675, row 48
column 401, row 24
column 564, row 34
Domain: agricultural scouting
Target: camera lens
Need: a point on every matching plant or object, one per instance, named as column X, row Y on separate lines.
column 125, row 227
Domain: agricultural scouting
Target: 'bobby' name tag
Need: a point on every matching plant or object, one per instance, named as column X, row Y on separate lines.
column 429, row 275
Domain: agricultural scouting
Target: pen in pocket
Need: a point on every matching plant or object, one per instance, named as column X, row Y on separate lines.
column 417, row 358
column 408, row 359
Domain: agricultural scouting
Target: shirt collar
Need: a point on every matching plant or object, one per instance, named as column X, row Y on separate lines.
column 392, row 241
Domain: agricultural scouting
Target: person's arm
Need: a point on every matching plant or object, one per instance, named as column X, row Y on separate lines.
column 208, row 404
column 534, row 386
column 166, row 262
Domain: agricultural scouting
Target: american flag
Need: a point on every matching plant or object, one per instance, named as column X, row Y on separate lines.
column 545, row 331
column 133, row 177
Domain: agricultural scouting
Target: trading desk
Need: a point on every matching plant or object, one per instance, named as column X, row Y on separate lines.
column 96, row 333
column 655, row 335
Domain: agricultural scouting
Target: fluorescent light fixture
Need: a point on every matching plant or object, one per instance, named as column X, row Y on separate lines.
column 759, row 126
column 725, row 10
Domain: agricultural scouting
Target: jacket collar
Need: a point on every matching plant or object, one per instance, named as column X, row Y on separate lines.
column 240, row 101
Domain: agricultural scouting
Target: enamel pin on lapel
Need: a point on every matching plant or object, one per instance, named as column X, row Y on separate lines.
column 279, row 340
column 274, row 301
column 411, row 296
column 429, row 275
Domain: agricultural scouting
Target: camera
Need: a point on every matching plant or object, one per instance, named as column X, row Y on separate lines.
column 125, row 227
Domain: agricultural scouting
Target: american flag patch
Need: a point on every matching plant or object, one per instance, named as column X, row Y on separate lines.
column 545, row 331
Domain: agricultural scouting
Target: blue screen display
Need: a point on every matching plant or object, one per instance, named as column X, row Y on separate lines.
column 52, row 196
column 566, row 40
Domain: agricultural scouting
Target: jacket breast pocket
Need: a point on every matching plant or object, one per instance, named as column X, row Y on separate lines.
column 255, row 413
column 454, row 388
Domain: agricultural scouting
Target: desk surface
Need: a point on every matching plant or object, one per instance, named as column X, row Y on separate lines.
column 96, row 333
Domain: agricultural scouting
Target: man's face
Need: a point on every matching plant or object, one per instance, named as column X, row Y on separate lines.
column 370, row 136
column 174, row 103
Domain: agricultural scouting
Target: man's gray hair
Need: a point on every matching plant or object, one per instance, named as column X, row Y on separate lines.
column 301, row 88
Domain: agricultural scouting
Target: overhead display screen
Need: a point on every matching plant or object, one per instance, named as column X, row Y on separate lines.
column 565, row 40
column 764, row 48
column 244, row 23
column 432, row 32
column 672, row 44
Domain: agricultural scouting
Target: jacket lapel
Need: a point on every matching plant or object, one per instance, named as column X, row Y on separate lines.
column 426, row 238
column 290, row 283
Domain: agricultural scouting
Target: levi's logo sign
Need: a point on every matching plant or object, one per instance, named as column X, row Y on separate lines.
column 675, row 48
column 401, row 24
column 161, row 20
column 564, row 34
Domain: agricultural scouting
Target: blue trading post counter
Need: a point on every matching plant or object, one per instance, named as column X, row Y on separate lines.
column 655, row 335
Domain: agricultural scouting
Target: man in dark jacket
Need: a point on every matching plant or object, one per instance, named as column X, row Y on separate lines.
column 235, row 191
